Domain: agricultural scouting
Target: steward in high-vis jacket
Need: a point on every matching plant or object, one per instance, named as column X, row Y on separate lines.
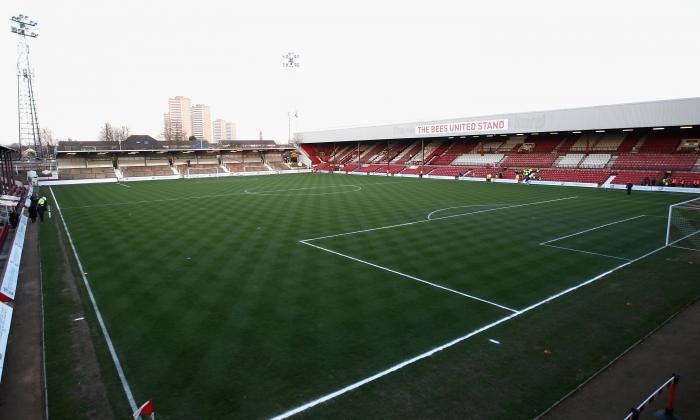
column 42, row 204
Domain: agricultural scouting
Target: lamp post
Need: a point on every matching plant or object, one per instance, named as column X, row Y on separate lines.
column 28, row 121
column 291, row 115
column 290, row 61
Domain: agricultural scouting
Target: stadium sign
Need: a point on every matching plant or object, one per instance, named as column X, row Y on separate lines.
column 462, row 127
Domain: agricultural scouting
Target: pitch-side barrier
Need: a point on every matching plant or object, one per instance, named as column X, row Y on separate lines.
column 552, row 183
column 166, row 177
column 8, row 287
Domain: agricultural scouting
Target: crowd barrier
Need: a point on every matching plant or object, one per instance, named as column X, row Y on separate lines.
column 8, row 287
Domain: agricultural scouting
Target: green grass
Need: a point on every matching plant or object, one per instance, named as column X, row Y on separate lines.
column 60, row 310
column 217, row 310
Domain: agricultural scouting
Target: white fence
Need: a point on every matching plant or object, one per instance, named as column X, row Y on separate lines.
column 8, row 288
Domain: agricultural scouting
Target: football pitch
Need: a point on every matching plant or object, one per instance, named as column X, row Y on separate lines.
column 363, row 296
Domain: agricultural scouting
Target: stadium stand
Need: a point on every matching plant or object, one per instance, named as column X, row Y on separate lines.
column 448, row 171
column 279, row 166
column 473, row 159
column 489, row 146
column 370, row 151
column 598, row 160
column 234, row 167
column 660, row 142
column 452, row 152
column 209, row 168
column 630, row 142
column 408, row 153
column 668, row 161
column 685, row 179
column 369, row 168
column 636, row 177
column 575, row 175
column 86, row 173
column 512, row 144
column 543, row 144
column 437, row 149
column 609, row 142
column 255, row 167
column 534, row 160
column 146, row 171
column 412, row 170
column 390, row 169
column 570, row 160
column 388, row 154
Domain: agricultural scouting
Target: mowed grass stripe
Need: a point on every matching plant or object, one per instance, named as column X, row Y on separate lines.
column 228, row 315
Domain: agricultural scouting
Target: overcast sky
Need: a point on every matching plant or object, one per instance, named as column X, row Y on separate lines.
column 362, row 62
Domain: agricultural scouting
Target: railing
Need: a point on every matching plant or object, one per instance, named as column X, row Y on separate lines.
column 671, row 383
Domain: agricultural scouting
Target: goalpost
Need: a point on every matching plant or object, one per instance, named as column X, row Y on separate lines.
column 683, row 226
column 203, row 172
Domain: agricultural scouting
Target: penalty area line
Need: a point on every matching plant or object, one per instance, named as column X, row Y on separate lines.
column 455, row 341
column 586, row 252
column 591, row 229
column 98, row 314
column 437, row 218
column 408, row 276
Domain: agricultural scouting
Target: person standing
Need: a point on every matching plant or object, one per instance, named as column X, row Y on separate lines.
column 629, row 188
column 33, row 209
column 42, row 204
column 14, row 218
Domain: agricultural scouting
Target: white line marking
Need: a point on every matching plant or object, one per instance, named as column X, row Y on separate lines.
column 103, row 327
column 461, row 207
column 409, row 276
column 494, row 341
column 272, row 192
column 126, row 203
column 591, row 229
column 682, row 247
column 79, row 319
column 458, row 340
column 438, row 218
column 586, row 252
column 123, row 185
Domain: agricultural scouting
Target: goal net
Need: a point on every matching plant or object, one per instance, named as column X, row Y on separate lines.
column 203, row 172
column 683, row 228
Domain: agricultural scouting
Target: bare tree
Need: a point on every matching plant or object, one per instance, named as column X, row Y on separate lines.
column 47, row 141
column 107, row 132
column 121, row 133
column 47, row 137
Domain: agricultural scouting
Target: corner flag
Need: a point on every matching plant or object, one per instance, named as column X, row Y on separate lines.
column 145, row 409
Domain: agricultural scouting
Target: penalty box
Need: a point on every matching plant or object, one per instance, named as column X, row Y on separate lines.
column 494, row 258
column 623, row 239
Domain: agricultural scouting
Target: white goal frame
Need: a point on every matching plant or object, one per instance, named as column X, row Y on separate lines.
column 192, row 172
column 670, row 215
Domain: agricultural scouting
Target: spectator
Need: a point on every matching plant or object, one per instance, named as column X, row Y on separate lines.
column 14, row 218
column 42, row 205
column 32, row 209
